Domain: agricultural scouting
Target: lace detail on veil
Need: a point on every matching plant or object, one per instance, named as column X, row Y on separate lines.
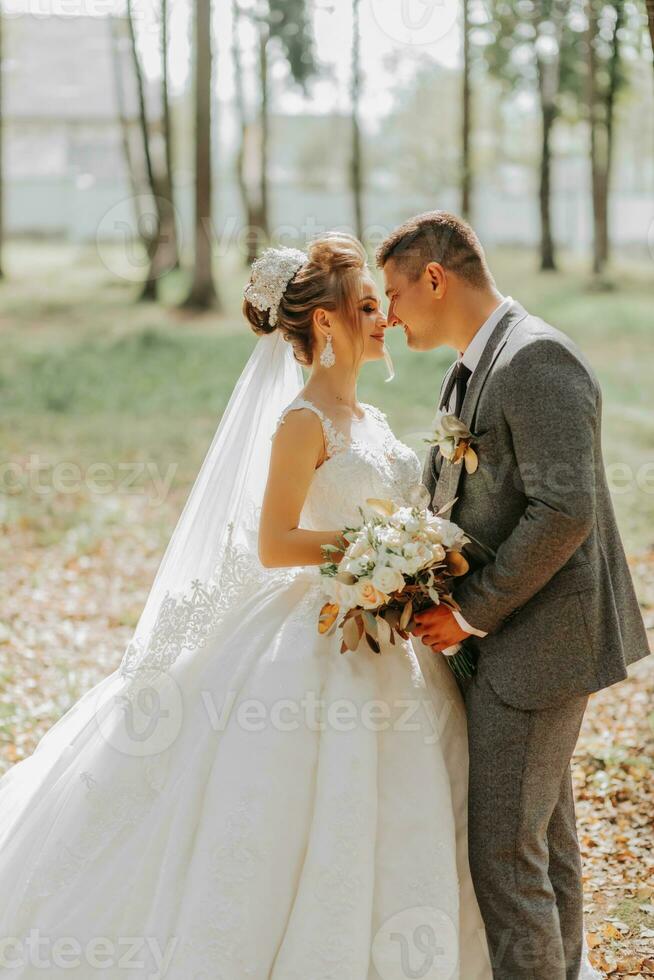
column 185, row 621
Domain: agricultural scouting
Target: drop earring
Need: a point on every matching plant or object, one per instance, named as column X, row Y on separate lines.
column 328, row 357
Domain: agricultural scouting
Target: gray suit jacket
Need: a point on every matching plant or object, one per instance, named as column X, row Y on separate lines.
column 553, row 590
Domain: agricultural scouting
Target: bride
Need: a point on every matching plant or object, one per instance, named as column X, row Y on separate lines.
column 238, row 799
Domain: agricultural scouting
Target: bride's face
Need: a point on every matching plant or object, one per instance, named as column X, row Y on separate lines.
column 358, row 332
column 372, row 321
column 367, row 341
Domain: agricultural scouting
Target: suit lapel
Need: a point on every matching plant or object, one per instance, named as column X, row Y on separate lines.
column 446, row 381
column 450, row 474
column 430, row 471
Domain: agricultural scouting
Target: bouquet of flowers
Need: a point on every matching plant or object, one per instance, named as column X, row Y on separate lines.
column 398, row 562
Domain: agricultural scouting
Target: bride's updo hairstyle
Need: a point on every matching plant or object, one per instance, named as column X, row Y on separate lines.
column 329, row 281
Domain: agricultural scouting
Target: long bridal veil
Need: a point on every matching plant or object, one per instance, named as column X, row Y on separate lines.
column 221, row 513
column 219, row 521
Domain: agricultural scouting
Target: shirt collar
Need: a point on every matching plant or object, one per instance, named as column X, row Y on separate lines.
column 474, row 350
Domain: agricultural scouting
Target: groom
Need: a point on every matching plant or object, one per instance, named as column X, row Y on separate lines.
column 550, row 611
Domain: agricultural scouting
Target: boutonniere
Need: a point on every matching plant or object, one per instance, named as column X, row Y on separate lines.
column 454, row 439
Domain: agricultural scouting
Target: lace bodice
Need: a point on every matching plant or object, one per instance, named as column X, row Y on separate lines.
column 367, row 462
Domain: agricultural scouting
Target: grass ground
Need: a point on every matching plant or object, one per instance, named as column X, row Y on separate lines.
column 102, row 399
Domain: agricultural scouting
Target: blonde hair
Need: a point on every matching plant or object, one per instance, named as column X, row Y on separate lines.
column 329, row 281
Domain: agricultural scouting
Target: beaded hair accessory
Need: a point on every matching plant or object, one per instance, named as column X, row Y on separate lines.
column 271, row 274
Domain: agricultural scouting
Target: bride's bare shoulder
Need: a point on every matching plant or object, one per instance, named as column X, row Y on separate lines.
column 299, row 431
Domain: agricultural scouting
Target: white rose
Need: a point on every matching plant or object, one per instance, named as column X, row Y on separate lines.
column 432, row 534
column 397, row 561
column 450, row 534
column 386, row 556
column 346, row 596
column 417, row 549
column 388, row 580
column 418, row 555
column 391, row 537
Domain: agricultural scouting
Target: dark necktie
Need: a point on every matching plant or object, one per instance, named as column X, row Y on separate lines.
column 459, row 381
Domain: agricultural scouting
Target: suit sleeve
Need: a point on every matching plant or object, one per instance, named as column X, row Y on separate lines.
column 550, row 404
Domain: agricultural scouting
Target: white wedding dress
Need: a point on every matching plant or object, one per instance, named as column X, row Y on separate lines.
column 217, row 825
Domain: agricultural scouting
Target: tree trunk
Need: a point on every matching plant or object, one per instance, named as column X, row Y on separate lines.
column 168, row 237
column 466, row 122
column 613, row 85
column 596, row 170
column 248, row 204
column 262, row 213
column 356, row 166
column 203, row 293
column 548, row 68
column 149, row 291
column 601, row 113
column 650, row 20
column 123, row 120
column 547, row 252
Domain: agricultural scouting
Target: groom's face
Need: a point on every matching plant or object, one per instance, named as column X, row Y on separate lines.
column 413, row 305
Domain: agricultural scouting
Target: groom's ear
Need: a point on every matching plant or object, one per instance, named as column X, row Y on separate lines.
column 437, row 278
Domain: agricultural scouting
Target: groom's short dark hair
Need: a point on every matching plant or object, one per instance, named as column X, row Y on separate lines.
column 437, row 236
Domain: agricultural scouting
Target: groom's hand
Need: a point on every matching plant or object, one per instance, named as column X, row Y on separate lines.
column 438, row 628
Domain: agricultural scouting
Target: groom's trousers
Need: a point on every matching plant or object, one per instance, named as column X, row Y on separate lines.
column 524, row 852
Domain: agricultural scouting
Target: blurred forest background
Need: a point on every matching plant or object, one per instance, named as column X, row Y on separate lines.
column 149, row 149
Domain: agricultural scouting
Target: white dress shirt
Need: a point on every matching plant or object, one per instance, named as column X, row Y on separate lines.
column 471, row 358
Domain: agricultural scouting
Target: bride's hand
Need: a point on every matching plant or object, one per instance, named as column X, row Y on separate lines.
column 438, row 629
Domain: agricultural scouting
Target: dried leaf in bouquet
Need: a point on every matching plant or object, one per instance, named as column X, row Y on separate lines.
column 351, row 633
column 407, row 613
column 385, row 508
column 383, row 631
column 471, row 460
column 456, row 563
column 328, row 616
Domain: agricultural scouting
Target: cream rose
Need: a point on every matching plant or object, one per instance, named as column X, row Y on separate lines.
column 368, row 596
